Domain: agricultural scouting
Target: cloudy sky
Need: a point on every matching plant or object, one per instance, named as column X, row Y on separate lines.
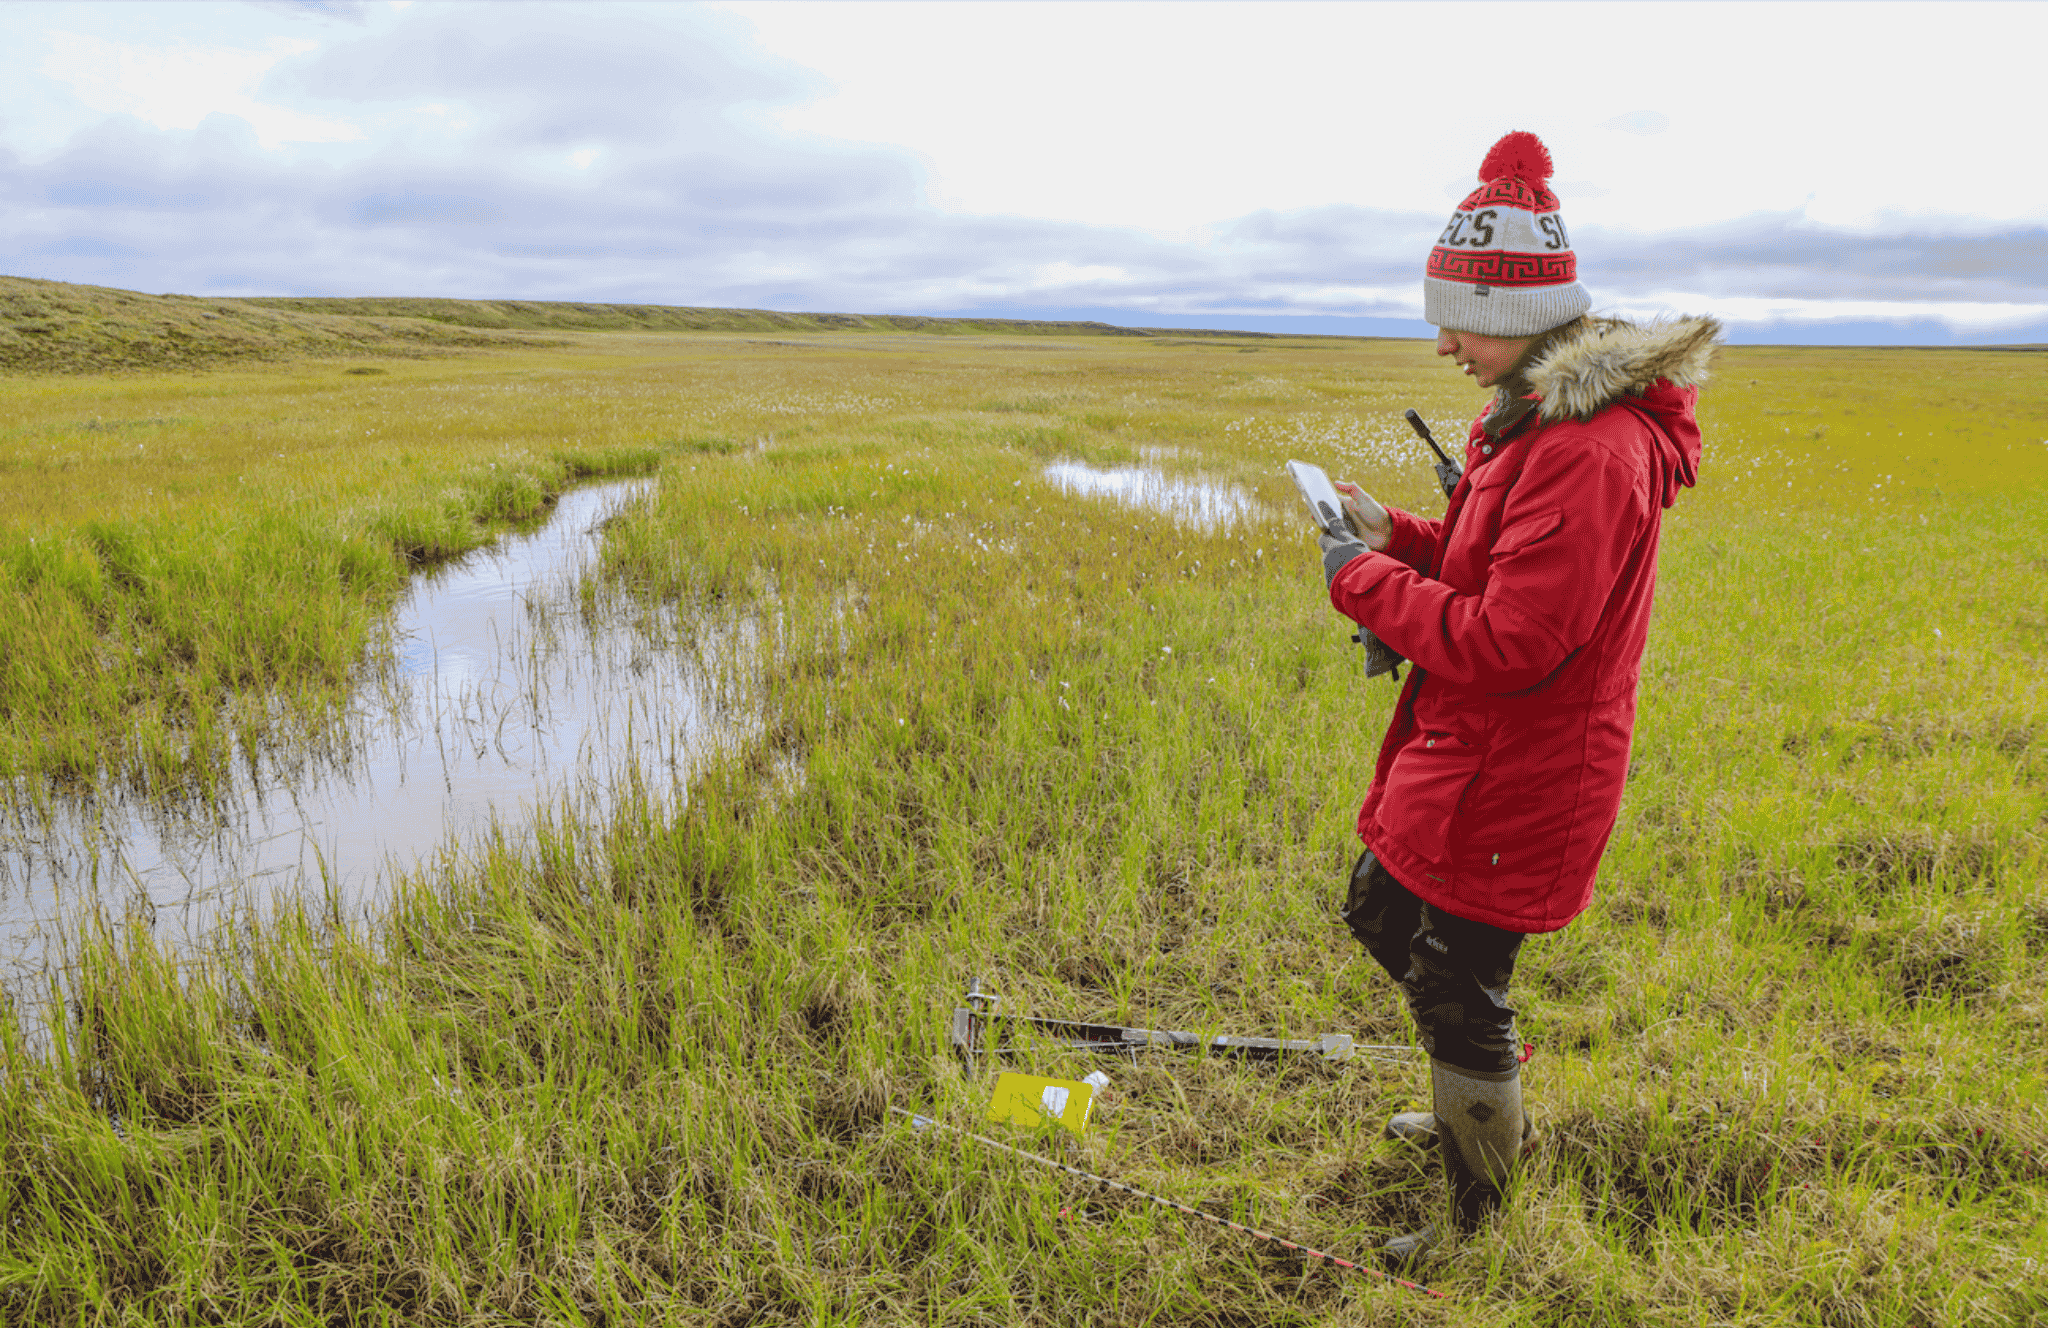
column 1831, row 172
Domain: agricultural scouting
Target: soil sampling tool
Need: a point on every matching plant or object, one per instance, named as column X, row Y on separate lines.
column 976, row 1022
column 925, row 1123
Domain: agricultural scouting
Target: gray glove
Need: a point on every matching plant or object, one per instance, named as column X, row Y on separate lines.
column 1338, row 550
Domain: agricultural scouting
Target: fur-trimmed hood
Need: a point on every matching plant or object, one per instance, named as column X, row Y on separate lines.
column 1585, row 368
column 1612, row 359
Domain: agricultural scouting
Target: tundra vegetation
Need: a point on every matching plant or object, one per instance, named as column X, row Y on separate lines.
column 1788, row 1070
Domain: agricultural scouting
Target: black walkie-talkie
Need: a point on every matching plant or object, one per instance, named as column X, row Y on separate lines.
column 1448, row 472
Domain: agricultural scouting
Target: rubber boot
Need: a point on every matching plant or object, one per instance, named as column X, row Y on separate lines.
column 1479, row 1118
column 1419, row 1128
column 1411, row 1248
column 1413, row 1127
column 1479, row 1125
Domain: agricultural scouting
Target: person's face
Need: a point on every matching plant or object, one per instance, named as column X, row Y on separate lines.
column 1486, row 360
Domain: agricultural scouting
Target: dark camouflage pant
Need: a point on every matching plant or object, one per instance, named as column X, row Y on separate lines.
column 1455, row 971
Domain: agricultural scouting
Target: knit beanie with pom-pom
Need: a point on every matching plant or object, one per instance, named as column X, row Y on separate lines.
column 1504, row 266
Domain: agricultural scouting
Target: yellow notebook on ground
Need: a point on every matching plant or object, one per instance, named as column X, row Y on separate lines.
column 1031, row 1101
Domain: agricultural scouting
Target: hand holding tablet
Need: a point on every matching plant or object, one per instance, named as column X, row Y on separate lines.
column 1347, row 518
column 1325, row 506
column 1343, row 510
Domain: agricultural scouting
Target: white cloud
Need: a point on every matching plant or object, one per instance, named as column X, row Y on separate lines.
column 1254, row 162
column 1963, row 315
column 177, row 87
column 1167, row 115
column 1056, row 276
column 1639, row 122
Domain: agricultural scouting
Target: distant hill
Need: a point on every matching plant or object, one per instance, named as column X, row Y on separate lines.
column 56, row 327
column 559, row 316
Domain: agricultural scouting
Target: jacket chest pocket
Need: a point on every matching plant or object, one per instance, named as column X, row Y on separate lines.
column 1425, row 788
column 1478, row 526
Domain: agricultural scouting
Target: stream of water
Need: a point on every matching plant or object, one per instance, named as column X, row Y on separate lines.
column 507, row 698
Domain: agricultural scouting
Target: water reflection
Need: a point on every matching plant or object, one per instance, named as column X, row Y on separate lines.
column 509, row 696
column 1195, row 502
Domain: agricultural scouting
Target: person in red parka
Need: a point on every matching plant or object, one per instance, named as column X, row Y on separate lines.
column 1523, row 613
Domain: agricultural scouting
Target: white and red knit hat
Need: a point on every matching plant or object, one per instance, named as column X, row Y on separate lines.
column 1504, row 266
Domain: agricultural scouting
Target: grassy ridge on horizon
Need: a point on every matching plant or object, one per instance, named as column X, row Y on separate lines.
column 56, row 327
column 1789, row 1067
column 561, row 315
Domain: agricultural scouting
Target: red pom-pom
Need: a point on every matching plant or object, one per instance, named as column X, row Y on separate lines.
column 1518, row 156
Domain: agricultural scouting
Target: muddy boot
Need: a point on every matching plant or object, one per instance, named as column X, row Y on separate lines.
column 1412, row 1248
column 1480, row 1121
column 1480, row 1135
column 1413, row 1127
column 1419, row 1128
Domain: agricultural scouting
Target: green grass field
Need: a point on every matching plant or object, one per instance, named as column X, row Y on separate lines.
column 1790, row 1067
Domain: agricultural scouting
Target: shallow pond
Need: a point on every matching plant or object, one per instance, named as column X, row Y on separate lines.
column 1202, row 503
column 507, row 695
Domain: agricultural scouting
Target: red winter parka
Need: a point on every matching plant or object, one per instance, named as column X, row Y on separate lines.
column 1523, row 612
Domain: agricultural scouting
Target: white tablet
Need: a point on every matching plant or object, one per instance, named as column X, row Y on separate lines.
column 1325, row 504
